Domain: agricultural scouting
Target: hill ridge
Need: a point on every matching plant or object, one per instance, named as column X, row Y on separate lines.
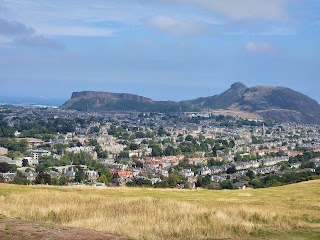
column 272, row 102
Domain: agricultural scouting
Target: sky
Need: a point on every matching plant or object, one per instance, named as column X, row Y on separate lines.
column 161, row 49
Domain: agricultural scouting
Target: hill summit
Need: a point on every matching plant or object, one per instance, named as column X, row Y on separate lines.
column 276, row 103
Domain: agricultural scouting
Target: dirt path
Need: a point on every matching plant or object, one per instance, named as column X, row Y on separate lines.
column 15, row 229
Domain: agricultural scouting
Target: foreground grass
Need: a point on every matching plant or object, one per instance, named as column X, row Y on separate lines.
column 288, row 212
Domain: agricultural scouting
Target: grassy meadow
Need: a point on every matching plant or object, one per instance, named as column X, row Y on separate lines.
column 287, row 212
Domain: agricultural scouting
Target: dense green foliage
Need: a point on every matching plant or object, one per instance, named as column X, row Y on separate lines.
column 139, row 182
column 5, row 130
column 40, row 127
column 287, row 178
column 13, row 145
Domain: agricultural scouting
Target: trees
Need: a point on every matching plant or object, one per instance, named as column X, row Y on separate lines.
column 161, row 131
column 43, row 178
column 203, row 181
column 5, row 130
column 226, row 184
column 63, row 180
column 124, row 154
column 103, row 179
column 134, row 146
column 173, row 180
column 212, row 162
column 40, row 168
column 15, row 154
column 256, row 183
column 79, row 176
column 139, row 182
column 103, row 154
column 4, row 167
column 189, row 138
column 171, row 151
column 60, row 148
column 138, row 164
column 256, row 140
column 14, row 146
column 250, row 174
column 231, row 170
column 156, row 151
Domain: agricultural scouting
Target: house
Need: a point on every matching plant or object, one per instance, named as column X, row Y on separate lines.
column 186, row 173
column 153, row 162
column 155, row 180
column 17, row 134
column 204, row 171
column 240, row 185
column 36, row 154
column 81, row 149
column 316, row 162
column 246, row 165
column 136, row 172
column 8, row 177
column 54, row 174
column 90, row 150
column 91, row 175
column 117, row 166
column 33, row 142
column 219, row 169
column 124, row 174
column 64, row 169
column 70, row 175
column 296, row 165
column 196, row 161
column 31, row 176
column 164, row 173
column 274, row 161
column 3, row 151
column 31, row 161
column 123, row 181
column 4, row 159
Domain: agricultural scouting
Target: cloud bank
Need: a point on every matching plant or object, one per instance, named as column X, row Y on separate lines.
column 239, row 10
column 177, row 27
column 14, row 31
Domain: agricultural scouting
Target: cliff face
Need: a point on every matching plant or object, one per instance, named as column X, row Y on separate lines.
column 276, row 103
column 105, row 101
column 119, row 96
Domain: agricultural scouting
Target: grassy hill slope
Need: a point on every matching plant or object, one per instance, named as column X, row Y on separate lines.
column 287, row 212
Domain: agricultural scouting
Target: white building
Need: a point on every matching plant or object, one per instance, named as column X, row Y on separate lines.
column 36, row 154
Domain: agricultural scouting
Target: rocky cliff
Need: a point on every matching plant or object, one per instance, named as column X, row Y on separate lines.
column 276, row 103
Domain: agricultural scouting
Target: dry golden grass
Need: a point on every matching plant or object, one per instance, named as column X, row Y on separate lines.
column 289, row 212
column 237, row 112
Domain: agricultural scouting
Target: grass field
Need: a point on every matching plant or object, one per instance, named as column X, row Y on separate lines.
column 288, row 212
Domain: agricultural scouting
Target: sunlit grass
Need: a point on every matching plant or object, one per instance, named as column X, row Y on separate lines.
column 288, row 212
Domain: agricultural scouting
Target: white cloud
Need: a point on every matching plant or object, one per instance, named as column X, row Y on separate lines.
column 177, row 27
column 261, row 47
column 69, row 18
column 79, row 31
column 239, row 10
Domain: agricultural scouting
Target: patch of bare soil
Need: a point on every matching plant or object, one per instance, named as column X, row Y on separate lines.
column 15, row 229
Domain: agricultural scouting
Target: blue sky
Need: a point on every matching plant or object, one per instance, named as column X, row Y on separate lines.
column 162, row 49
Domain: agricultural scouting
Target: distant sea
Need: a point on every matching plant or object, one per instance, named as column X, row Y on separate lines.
column 32, row 101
